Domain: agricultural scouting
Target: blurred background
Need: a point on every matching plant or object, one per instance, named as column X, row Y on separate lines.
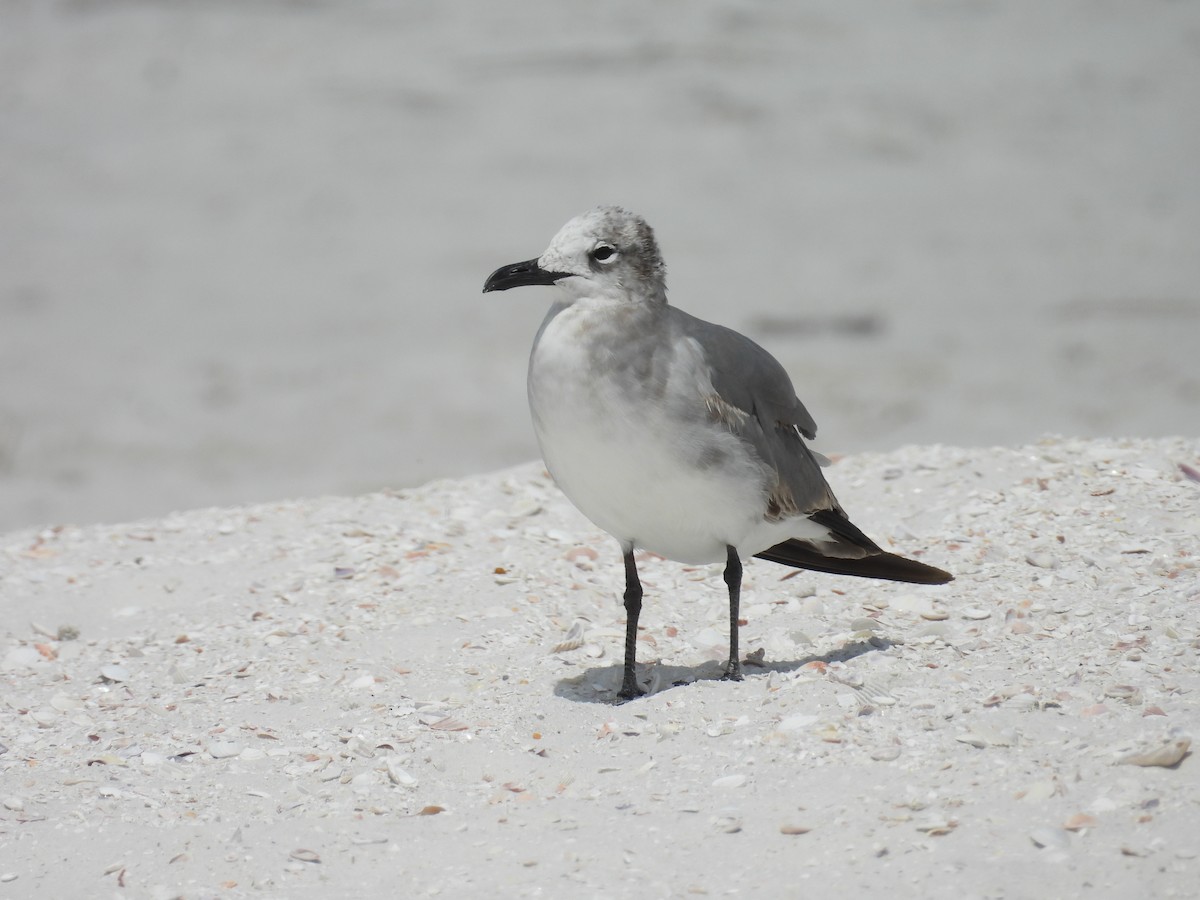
column 242, row 244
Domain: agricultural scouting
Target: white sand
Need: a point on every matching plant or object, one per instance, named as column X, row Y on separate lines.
column 262, row 701
column 242, row 244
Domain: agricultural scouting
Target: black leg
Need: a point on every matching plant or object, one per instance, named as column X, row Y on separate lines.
column 733, row 578
column 633, row 608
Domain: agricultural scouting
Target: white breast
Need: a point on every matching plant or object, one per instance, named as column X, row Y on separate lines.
column 632, row 447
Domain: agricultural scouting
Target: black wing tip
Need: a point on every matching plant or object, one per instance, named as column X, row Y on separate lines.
column 933, row 575
column 882, row 565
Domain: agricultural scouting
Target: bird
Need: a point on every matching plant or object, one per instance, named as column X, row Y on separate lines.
column 676, row 435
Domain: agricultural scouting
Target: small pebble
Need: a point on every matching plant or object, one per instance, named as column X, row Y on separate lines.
column 224, row 749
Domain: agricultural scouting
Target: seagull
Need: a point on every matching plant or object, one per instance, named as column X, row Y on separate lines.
column 673, row 434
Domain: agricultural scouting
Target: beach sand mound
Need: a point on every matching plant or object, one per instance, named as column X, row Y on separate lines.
column 410, row 693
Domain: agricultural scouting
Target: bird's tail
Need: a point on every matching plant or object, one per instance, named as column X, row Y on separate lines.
column 889, row 566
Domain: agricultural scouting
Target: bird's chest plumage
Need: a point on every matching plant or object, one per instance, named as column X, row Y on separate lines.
column 623, row 430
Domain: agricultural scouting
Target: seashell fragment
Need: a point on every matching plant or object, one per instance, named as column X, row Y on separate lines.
column 525, row 506
column 449, row 723
column 1038, row 791
column 65, row 703
column 114, row 672
column 224, row 749
column 1127, row 692
column 794, row 829
column 396, row 773
column 573, row 640
column 798, row 721
column 865, row 624
column 1168, row 755
column 830, row 734
column 936, row 826
column 729, row 824
column 1041, row 560
column 1080, row 821
column 1047, row 838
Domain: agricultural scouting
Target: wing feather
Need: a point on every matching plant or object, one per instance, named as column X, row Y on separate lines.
column 755, row 400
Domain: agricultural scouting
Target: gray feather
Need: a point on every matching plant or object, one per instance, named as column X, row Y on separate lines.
column 773, row 421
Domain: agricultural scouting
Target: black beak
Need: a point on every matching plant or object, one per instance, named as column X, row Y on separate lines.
column 519, row 275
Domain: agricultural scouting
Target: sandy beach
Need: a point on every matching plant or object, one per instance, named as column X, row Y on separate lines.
column 411, row 694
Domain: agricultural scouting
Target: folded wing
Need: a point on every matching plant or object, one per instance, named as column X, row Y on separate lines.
column 756, row 401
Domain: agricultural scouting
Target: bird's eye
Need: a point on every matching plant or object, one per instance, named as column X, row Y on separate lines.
column 604, row 252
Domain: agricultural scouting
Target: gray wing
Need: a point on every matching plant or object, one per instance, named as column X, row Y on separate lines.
column 756, row 400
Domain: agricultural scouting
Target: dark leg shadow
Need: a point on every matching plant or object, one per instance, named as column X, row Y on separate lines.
column 601, row 683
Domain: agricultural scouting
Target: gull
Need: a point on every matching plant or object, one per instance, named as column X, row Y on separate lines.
column 673, row 434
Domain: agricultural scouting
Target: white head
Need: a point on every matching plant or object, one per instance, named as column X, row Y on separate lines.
column 606, row 253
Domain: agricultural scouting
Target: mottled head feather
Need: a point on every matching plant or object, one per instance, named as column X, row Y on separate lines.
column 636, row 269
